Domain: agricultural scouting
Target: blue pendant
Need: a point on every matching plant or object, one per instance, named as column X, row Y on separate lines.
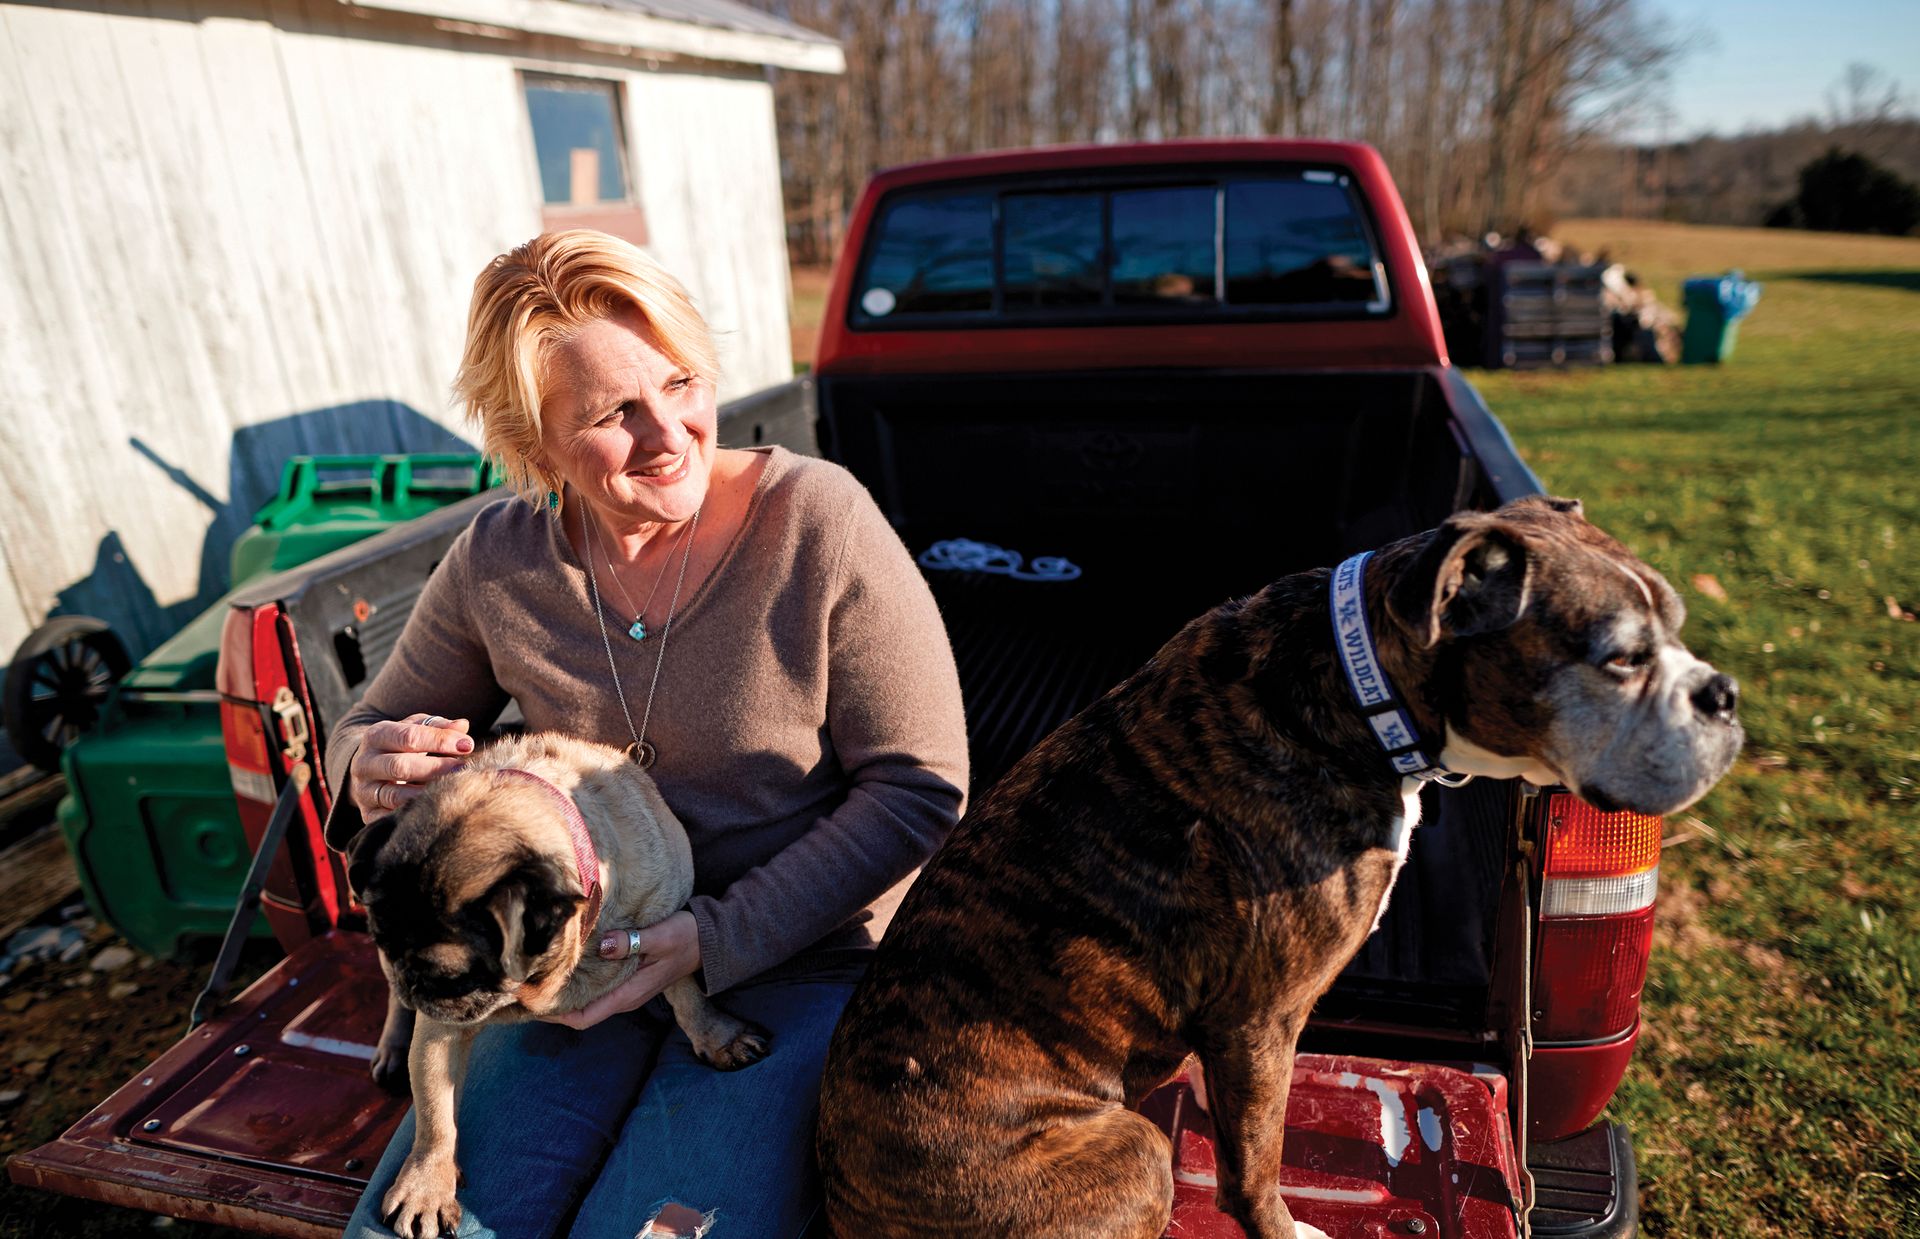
column 639, row 630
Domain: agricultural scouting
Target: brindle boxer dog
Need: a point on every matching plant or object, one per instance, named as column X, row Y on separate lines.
column 1186, row 865
column 487, row 895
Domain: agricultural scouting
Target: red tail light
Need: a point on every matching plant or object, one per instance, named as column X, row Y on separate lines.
column 248, row 764
column 233, row 673
column 1599, row 875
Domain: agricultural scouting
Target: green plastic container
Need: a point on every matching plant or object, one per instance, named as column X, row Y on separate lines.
column 149, row 814
column 1715, row 306
column 327, row 502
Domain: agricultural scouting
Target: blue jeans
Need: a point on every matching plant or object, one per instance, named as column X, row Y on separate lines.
column 603, row 1127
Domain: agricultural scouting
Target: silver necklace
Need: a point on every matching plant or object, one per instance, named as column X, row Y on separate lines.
column 640, row 750
column 638, row 629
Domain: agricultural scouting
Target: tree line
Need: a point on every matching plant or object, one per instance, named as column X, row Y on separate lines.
column 1748, row 178
column 1475, row 104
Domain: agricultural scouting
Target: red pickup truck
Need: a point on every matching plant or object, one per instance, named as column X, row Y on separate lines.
column 1207, row 364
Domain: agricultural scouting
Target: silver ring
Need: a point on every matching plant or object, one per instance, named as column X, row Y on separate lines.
column 433, row 720
column 633, row 942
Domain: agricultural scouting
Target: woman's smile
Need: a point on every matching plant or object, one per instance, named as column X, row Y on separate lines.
column 664, row 473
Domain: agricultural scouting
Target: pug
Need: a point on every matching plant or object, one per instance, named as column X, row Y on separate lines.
column 487, row 896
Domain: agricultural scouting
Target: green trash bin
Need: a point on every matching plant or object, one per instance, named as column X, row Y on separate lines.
column 1715, row 306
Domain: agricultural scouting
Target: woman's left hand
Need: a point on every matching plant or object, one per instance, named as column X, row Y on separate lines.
column 668, row 951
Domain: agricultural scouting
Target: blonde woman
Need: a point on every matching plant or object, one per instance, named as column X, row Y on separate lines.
column 750, row 623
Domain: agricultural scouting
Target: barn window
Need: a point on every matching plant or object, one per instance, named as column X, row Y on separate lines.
column 579, row 142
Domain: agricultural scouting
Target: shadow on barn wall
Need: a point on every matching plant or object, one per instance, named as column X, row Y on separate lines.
column 115, row 591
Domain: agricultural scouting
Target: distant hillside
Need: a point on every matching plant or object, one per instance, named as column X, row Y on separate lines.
column 1716, row 180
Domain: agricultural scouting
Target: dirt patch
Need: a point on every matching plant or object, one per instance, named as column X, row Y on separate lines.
column 1680, row 926
column 809, row 304
column 73, row 1033
column 1679, row 920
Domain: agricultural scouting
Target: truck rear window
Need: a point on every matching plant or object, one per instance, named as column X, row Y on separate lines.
column 1278, row 245
column 933, row 255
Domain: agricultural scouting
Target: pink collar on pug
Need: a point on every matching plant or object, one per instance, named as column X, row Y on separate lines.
column 583, row 854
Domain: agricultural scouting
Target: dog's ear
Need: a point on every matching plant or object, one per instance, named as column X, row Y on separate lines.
column 1553, row 503
column 531, row 908
column 1472, row 576
column 363, row 854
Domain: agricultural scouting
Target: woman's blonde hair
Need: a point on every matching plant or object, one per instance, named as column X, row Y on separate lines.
column 540, row 294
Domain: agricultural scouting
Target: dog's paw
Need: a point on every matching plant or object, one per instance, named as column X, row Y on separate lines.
column 389, row 1069
column 422, row 1202
column 748, row 1045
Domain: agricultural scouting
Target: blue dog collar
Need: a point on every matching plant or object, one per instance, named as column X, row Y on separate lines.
column 1372, row 691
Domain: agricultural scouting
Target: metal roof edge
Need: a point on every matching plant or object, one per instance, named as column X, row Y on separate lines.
column 640, row 32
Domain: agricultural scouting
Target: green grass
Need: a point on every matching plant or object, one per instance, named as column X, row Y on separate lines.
column 1778, row 1074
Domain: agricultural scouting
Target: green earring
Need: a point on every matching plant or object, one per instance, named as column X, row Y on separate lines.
column 553, row 501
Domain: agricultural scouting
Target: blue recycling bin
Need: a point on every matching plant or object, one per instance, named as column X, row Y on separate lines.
column 1715, row 306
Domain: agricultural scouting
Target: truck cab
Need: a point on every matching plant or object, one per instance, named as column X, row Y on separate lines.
column 1097, row 391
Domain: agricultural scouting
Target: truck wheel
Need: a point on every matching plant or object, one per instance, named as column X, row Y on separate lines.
column 58, row 680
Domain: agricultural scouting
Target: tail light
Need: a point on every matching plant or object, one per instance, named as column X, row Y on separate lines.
column 1599, row 875
column 249, row 765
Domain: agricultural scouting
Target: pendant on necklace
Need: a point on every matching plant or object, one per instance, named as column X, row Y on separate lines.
column 644, row 753
column 639, row 630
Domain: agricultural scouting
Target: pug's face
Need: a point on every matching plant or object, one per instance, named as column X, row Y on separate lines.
column 470, row 904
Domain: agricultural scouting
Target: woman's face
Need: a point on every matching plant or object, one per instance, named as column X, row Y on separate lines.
column 629, row 430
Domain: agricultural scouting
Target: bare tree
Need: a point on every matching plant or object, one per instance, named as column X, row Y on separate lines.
column 1477, row 104
column 1866, row 96
column 1084, row 73
column 1378, row 82
column 1562, row 69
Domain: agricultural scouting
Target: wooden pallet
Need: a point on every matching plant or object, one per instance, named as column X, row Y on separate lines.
column 36, row 871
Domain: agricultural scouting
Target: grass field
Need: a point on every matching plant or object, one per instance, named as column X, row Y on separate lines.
column 1778, row 1072
column 809, row 303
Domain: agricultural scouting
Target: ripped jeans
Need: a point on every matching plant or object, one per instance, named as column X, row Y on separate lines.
column 590, row 1133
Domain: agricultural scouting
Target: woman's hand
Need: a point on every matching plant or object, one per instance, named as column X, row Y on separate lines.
column 668, row 951
column 396, row 758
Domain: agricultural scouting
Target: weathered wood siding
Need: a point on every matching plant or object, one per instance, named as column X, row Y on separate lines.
column 233, row 231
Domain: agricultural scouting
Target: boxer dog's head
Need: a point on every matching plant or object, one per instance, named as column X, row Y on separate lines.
column 469, row 890
column 1557, row 657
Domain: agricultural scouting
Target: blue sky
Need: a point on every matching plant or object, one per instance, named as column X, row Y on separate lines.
column 1765, row 62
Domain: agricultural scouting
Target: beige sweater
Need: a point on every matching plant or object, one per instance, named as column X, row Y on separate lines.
column 807, row 717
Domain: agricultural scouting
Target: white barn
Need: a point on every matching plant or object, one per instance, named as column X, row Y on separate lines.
column 234, row 230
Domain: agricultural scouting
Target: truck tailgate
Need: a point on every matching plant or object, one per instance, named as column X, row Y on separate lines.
column 265, row 1119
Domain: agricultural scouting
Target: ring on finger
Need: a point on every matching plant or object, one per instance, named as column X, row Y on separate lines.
column 433, row 720
column 633, row 942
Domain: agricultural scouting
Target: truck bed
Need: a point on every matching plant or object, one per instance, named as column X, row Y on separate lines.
column 1172, row 492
